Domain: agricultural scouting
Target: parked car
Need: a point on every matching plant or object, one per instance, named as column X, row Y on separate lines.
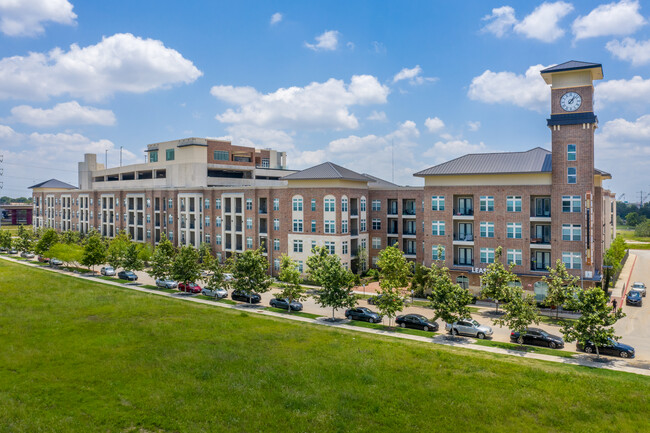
column 634, row 298
column 219, row 293
column 374, row 299
column 189, row 287
column 242, row 295
column 283, row 303
column 127, row 275
column 27, row 255
column 416, row 321
column 227, row 277
column 639, row 287
column 469, row 327
column 537, row 337
column 363, row 313
column 108, row 271
column 43, row 259
column 55, row 262
column 13, row 251
column 613, row 348
column 166, row 284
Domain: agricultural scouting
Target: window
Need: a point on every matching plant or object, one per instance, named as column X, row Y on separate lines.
column 330, row 226
column 148, row 218
column 514, row 230
column 487, row 203
column 487, row 255
column 344, row 247
column 376, row 224
column 221, row 155
column 330, row 205
column 171, row 236
column 217, row 239
column 171, row 219
column 313, row 245
column 266, row 163
column 513, row 203
column 153, row 156
column 572, row 176
column 330, row 247
column 249, row 204
column 362, row 225
column 434, row 252
column 571, row 203
column 344, row 226
column 376, row 243
column 313, row 205
column 514, row 256
column 572, row 260
column 571, row 152
column 297, row 246
column 376, row 205
column 207, row 221
column 276, row 264
column 297, row 226
column 207, row 203
column 344, row 205
column 438, row 202
column 217, row 221
column 217, row 203
column 249, row 223
column 207, row 237
column 438, row 228
column 297, row 204
column 249, row 243
column 487, row 230
column 276, row 224
column 313, row 226
column 170, row 203
column 276, row 244
column 169, row 154
column 571, row 232
column 276, row 204
column 363, row 205
column 300, row 267
column 148, row 202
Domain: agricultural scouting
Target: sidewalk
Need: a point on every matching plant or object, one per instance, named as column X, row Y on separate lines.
column 620, row 289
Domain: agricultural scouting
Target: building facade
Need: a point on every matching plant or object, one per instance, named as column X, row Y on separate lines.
column 538, row 205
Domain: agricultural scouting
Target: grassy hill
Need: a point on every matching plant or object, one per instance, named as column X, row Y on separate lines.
column 82, row 356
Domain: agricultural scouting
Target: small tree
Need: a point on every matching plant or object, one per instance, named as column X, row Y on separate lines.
column 24, row 242
column 47, row 239
column 205, row 256
column 5, row 239
column 250, row 272
column 70, row 237
column 496, row 280
column 562, row 287
column 185, row 267
column 117, row 249
column 449, row 301
column 145, row 254
column 132, row 261
column 218, row 278
column 595, row 322
column 394, row 275
column 336, row 282
column 69, row 254
column 362, row 259
column 521, row 312
column 162, row 259
column 94, row 251
column 290, row 281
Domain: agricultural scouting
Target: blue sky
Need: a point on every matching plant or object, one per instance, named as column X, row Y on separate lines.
column 339, row 81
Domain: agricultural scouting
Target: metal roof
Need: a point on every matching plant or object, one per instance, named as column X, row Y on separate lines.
column 53, row 183
column 327, row 170
column 571, row 65
column 375, row 181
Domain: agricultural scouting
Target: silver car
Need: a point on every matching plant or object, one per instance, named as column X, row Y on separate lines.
column 469, row 327
column 108, row 271
column 639, row 287
column 166, row 284
column 219, row 293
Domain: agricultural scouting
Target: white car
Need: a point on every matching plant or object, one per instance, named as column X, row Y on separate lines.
column 227, row 277
column 219, row 293
column 639, row 287
column 108, row 271
column 469, row 327
column 166, row 284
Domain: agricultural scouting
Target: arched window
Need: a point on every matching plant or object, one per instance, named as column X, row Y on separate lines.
column 463, row 281
column 541, row 290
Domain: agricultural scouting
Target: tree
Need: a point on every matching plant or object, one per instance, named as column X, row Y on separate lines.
column 394, row 275
column 362, row 259
column 24, row 242
column 70, row 237
column 218, row 278
column 94, row 252
column 496, row 280
column 132, row 261
column 613, row 260
column 336, row 282
column 47, row 239
column 595, row 322
column 5, row 239
column 632, row 219
column 205, row 256
column 562, row 287
column 290, row 281
column 521, row 312
column 250, row 272
column 643, row 229
column 185, row 267
column 145, row 253
column 117, row 249
column 162, row 259
column 449, row 301
column 69, row 254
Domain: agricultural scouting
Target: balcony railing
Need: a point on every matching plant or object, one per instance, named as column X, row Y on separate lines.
column 464, row 262
column 467, row 237
column 410, row 251
column 541, row 241
column 354, row 232
column 393, row 211
column 354, row 212
column 546, row 214
column 409, row 232
column 539, row 266
column 408, row 212
column 263, row 210
column 393, row 231
column 467, row 212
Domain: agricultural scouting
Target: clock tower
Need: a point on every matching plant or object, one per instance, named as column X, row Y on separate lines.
column 573, row 192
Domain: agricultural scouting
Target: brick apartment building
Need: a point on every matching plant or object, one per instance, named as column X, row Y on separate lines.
column 538, row 205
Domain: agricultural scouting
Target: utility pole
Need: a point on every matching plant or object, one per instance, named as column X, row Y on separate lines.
column 106, row 158
column 120, row 156
column 1, row 184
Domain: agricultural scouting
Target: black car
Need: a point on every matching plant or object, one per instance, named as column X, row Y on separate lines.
column 613, row 348
column 127, row 275
column 283, row 303
column 634, row 298
column 373, row 299
column 363, row 313
column 416, row 321
column 537, row 337
column 242, row 295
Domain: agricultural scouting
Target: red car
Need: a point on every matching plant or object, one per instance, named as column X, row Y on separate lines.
column 43, row 259
column 189, row 287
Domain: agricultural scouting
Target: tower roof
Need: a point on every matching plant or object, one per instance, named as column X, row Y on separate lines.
column 53, row 183
column 327, row 170
column 573, row 65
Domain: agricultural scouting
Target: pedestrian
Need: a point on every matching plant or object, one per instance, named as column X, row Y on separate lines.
column 614, row 304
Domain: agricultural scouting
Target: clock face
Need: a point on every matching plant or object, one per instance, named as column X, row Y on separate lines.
column 570, row 101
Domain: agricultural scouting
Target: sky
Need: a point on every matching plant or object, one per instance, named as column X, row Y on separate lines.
column 381, row 87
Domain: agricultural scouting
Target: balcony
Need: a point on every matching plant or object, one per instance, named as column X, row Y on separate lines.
column 463, row 262
column 410, row 251
column 354, row 232
column 539, row 266
column 263, row 210
column 409, row 232
column 408, row 212
column 239, row 228
column 238, row 209
column 463, row 212
column 354, row 212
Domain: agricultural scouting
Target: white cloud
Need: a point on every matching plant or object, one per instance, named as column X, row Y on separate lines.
column 540, row 24
column 26, row 17
column 119, row 63
column 526, row 91
column 443, row 151
column 60, row 114
column 315, row 106
column 631, row 50
column 622, row 18
column 378, row 116
column 414, row 75
column 253, row 136
column 276, row 18
column 434, row 124
column 473, row 126
column 328, row 41
column 634, row 90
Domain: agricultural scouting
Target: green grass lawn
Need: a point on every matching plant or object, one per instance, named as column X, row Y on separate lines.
column 14, row 229
column 524, row 348
column 294, row 313
column 79, row 355
column 628, row 234
column 395, row 329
